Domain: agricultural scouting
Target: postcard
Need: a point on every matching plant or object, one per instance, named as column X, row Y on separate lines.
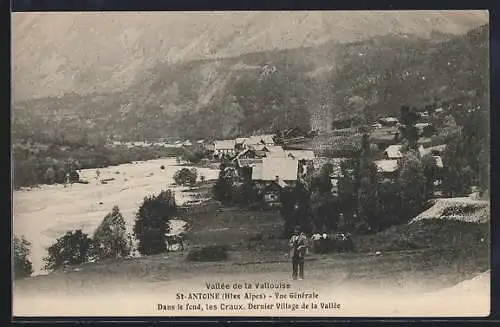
column 251, row 164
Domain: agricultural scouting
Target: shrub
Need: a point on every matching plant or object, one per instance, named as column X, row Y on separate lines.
column 73, row 176
column 151, row 222
column 162, row 167
column 60, row 177
column 72, row 249
column 110, row 237
column 21, row 251
column 185, row 176
column 208, row 253
column 246, row 194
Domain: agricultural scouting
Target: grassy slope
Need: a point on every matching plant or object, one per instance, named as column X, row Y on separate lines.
column 440, row 254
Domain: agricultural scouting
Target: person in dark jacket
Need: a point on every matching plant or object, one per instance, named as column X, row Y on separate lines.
column 298, row 250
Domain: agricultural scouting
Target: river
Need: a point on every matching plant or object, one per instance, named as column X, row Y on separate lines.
column 42, row 214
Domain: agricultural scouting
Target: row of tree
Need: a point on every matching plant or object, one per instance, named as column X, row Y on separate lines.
column 365, row 201
column 110, row 239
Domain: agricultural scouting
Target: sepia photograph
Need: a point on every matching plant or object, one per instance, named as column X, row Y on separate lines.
column 251, row 164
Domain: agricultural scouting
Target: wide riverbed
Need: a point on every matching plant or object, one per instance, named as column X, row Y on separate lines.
column 44, row 213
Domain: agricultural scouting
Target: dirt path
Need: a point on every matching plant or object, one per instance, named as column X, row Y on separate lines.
column 352, row 299
column 392, row 284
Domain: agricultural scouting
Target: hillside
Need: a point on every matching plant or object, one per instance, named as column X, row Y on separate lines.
column 231, row 81
column 462, row 209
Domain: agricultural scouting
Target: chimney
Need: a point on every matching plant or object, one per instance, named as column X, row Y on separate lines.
column 277, row 179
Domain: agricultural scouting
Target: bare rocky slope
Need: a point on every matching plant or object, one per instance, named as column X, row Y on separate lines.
column 92, row 72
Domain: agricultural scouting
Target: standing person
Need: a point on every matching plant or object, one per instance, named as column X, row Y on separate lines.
column 298, row 248
column 315, row 242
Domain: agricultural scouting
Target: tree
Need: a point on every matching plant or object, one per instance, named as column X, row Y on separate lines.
column 428, row 131
column 466, row 158
column 296, row 207
column 110, row 237
column 431, row 173
column 152, row 222
column 324, row 211
column 457, row 172
column 412, row 181
column 409, row 117
column 223, row 187
column 246, row 194
column 367, row 183
column 388, row 206
column 50, row 175
column 60, row 176
column 449, row 127
column 185, row 176
column 74, row 248
column 484, row 170
column 287, row 209
column 347, row 189
column 21, row 251
column 194, row 156
column 73, row 176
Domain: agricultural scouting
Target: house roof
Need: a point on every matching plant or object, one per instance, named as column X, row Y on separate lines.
column 224, row 144
column 241, row 140
column 275, row 151
column 249, row 162
column 264, row 139
column 285, row 168
column 300, row 154
column 257, row 147
column 421, row 125
column 386, row 166
column 389, row 119
column 437, row 148
column 394, row 151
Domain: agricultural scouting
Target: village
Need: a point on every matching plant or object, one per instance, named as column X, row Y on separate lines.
column 273, row 162
column 252, row 240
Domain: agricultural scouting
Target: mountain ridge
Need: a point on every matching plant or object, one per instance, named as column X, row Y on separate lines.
column 267, row 90
column 55, row 53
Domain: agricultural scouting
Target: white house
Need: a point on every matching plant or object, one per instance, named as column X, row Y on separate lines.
column 393, row 152
column 285, row 169
column 388, row 121
column 387, row 168
column 224, row 147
